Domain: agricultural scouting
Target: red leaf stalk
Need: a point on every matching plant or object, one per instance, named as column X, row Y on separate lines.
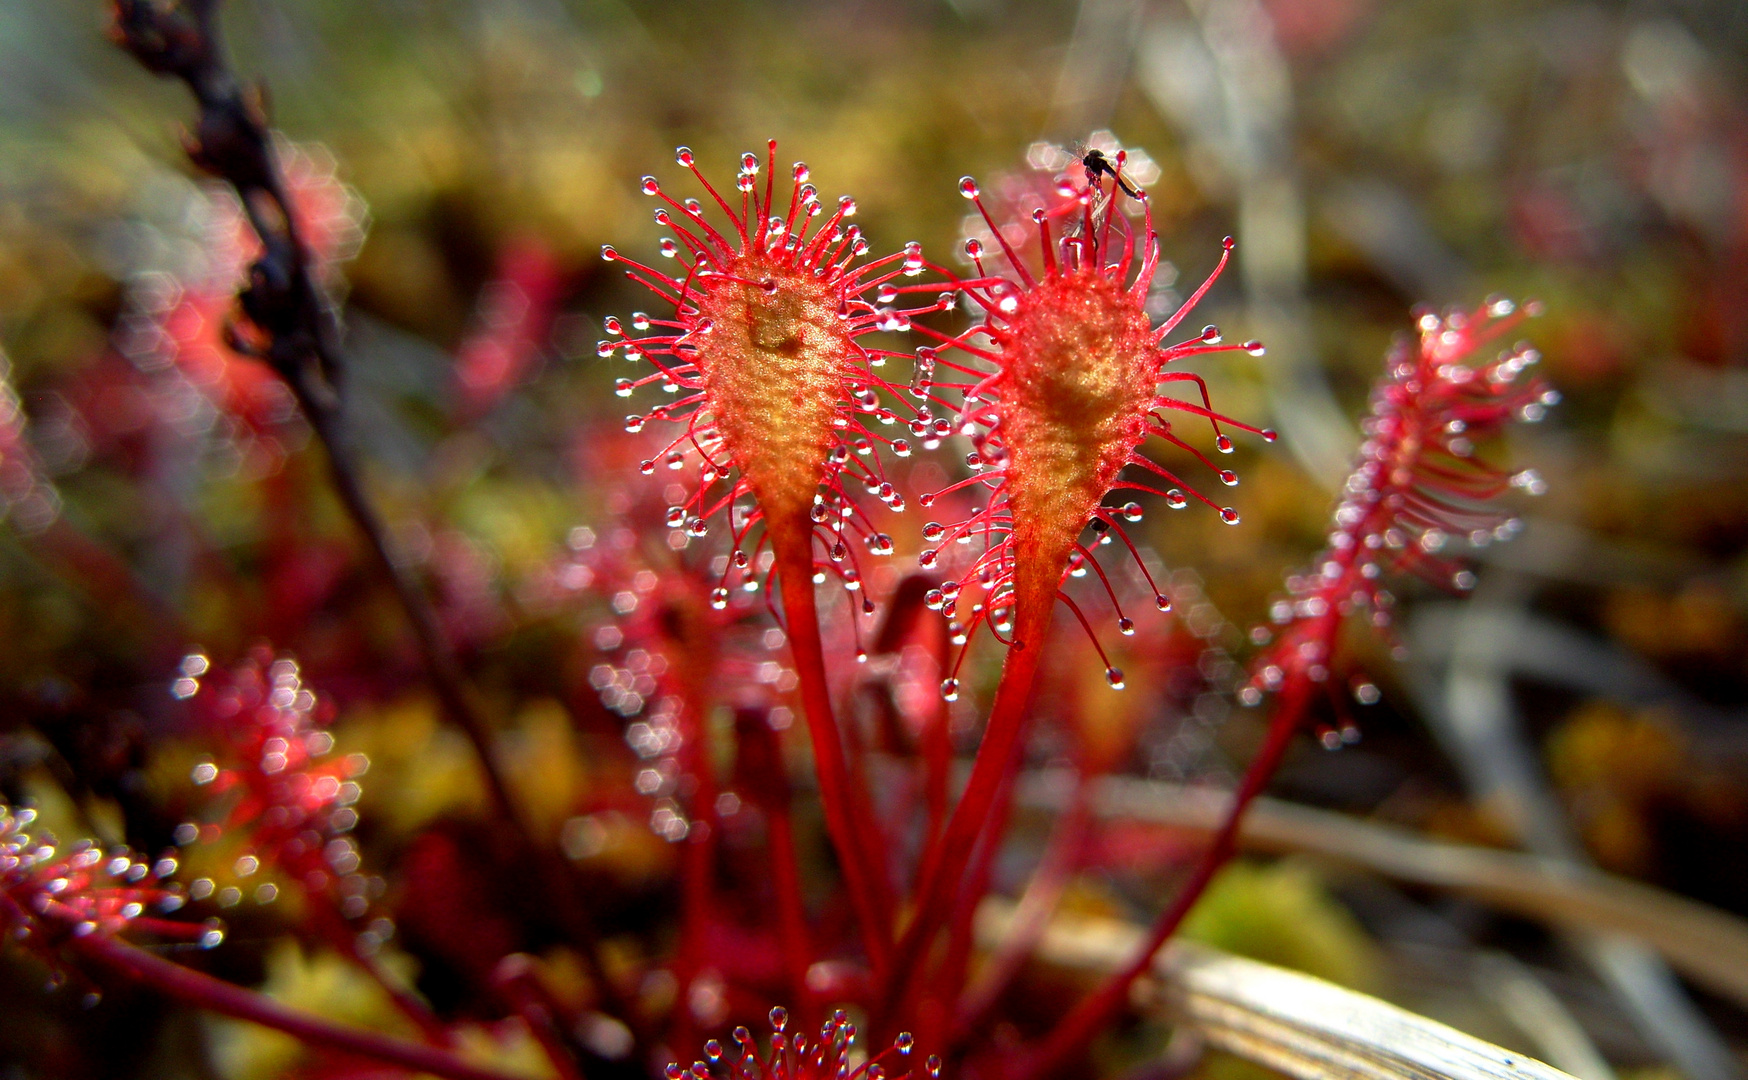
column 216, row 995
column 1074, row 392
column 762, row 352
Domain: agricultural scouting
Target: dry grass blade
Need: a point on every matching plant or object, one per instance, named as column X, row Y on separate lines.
column 1301, row 1026
column 1705, row 944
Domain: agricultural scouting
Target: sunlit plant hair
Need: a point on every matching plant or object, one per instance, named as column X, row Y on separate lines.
column 762, row 350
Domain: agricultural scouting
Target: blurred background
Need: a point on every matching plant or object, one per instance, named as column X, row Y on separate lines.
column 465, row 161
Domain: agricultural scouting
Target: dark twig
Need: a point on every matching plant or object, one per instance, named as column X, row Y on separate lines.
column 300, row 330
column 287, row 304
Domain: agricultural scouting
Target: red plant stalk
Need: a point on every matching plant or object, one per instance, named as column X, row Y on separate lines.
column 518, row 981
column 1044, row 891
column 1416, row 484
column 762, row 351
column 759, row 765
column 909, row 623
column 80, row 900
column 1075, row 391
column 699, row 853
column 216, row 995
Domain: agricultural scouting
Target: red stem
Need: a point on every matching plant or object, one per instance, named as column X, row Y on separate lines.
column 196, row 988
column 791, row 915
column 759, row 768
column 1092, row 1015
column 948, row 982
column 698, row 857
column 334, row 927
column 520, row 984
column 1001, row 738
column 1031, row 917
column 846, row 815
column 937, row 749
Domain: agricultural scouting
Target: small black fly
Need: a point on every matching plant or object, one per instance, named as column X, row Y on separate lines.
column 1097, row 165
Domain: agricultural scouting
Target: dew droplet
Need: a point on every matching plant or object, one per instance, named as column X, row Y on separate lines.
column 1255, row 348
column 1162, row 601
column 779, row 1015
column 607, row 252
column 974, row 248
column 1211, row 334
column 968, row 187
column 1176, row 499
column 1114, row 676
column 1223, row 443
column 1228, row 515
column 650, row 186
column 1126, row 626
column 683, row 155
column 1228, row 477
column 950, row 689
column 1228, row 244
column 719, row 598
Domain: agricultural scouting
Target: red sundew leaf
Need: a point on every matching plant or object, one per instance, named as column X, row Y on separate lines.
column 1417, row 488
column 792, row 1055
column 49, row 894
column 1062, row 385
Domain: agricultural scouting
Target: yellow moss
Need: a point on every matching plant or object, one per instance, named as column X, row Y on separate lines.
column 545, row 767
column 420, row 769
column 324, row 984
column 1280, row 914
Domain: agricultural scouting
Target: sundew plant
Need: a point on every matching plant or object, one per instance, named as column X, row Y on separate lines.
column 821, row 681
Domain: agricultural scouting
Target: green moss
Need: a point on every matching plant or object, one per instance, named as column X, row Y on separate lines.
column 1281, row 914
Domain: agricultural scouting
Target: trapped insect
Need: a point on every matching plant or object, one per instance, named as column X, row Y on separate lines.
column 1097, row 165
